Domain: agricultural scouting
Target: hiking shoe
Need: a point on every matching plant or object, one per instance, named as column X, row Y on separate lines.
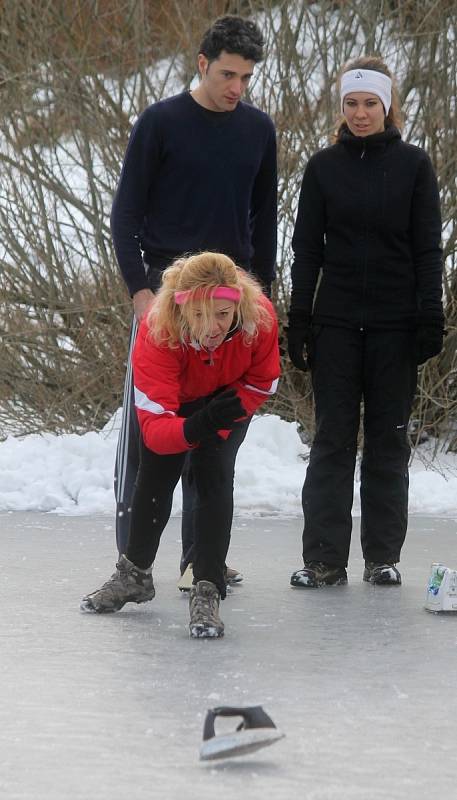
column 232, row 575
column 382, row 574
column 129, row 584
column 185, row 582
column 205, row 621
column 317, row 573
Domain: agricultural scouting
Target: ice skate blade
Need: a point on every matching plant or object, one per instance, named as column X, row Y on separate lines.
column 239, row 743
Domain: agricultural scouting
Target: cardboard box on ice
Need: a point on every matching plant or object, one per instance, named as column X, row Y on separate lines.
column 441, row 589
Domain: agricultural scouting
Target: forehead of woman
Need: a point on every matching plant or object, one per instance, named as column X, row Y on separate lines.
column 213, row 305
column 362, row 97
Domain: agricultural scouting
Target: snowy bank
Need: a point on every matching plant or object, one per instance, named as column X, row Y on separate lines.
column 73, row 474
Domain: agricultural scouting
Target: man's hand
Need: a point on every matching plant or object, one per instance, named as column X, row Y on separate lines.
column 142, row 302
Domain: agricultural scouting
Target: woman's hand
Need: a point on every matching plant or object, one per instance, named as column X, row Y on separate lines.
column 220, row 414
column 429, row 339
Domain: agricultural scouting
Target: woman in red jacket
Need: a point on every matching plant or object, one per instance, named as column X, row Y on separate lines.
column 205, row 360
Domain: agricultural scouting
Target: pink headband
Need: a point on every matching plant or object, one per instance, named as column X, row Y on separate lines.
column 219, row 293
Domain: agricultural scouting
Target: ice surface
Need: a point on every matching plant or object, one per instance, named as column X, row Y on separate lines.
column 360, row 678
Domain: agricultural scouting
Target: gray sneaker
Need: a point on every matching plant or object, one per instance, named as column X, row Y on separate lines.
column 129, row 584
column 233, row 575
column 205, row 621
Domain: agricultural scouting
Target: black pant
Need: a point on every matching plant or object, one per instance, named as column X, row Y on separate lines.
column 349, row 366
column 211, row 474
column 126, row 469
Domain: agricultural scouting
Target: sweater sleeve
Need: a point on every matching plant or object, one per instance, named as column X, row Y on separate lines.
column 156, row 373
column 260, row 380
column 426, row 240
column 131, row 199
column 308, row 241
column 263, row 213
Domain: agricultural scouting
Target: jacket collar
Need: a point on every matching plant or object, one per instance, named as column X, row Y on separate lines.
column 217, row 352
column 377, row 140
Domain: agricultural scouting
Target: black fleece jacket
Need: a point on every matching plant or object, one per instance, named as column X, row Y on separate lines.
column 369, row 218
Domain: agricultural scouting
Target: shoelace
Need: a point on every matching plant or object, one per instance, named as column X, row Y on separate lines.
column 116, row 576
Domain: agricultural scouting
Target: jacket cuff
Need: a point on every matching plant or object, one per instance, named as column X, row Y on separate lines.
column 433, row 319
column 137, row 285
column 299, row 315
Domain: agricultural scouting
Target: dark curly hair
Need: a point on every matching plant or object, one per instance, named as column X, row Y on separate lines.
column 234, row 35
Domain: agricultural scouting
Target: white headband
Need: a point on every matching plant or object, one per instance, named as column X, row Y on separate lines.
column 367, row 80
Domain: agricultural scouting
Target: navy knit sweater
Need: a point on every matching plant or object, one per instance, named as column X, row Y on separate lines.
column 195, row 180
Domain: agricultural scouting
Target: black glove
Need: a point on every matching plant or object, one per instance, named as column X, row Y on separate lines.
column 220, row 414
column 429, row 338
column 298, row 336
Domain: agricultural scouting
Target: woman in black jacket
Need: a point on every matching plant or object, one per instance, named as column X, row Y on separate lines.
column 369, row 225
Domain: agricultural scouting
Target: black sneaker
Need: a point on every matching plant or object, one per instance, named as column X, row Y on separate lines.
column 317, row 573
column 382, row 574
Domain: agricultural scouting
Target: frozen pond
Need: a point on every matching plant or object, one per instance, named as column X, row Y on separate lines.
column 361, row 679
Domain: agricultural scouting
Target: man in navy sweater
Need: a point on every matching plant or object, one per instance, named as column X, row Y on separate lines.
column 199, row 173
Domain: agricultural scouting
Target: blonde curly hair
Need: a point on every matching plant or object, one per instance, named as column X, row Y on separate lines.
column 200, row 273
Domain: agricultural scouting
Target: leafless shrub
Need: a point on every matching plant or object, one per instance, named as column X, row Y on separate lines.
column 73, row 77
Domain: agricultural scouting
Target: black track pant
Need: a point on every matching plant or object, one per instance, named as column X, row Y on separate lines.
column 126, row 469
column 378, row 368
column 211, row 475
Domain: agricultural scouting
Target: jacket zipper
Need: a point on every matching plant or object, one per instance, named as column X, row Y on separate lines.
column 365, row 262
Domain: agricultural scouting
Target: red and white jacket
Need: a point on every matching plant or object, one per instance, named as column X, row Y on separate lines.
column 165, row 377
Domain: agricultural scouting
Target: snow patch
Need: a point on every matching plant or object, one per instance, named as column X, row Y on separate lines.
column 73, row 474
